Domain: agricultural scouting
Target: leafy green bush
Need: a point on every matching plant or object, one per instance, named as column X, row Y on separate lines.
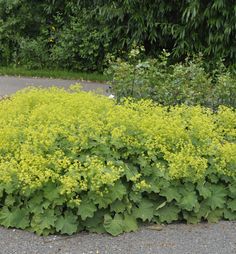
column 33, row 53
column 81, row 44
column 87, row 30
column 19, row 21
column 167, row 84
column 72, row 161
column 174, row 25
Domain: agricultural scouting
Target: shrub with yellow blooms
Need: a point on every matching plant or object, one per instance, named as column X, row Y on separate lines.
column 72, row 161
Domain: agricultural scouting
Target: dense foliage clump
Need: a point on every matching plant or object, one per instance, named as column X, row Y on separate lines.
column 79, row 34
column 171, row 84
column 72, row 161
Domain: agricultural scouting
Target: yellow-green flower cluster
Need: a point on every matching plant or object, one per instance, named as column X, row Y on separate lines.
column 84, row 142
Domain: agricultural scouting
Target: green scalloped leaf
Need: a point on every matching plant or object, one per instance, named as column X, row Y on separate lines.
column 229, row 215
column 218, row 197
column 116, row 192
column 37, row 204
column 118, row 206
column 120, row 223
column 130, row 171
column 86, row 209
column 213, row 178
column 9, row 188
column 147, row 170
column 130, row 223
column 43, row 221
column 168, row 213
column 6, row 217
column 20, row 218
column 189, row 200
column 214, row 216
column 135, row 196
column 232, row 189
column 204, row 209
column 17, row 217
column 144, row 211
column 51, row 193
column 113, row 226
column 10, row 200
column 95, row 224
column 232, row 205
column 191, row 217
column 67, row 224
column 154, row 184
column 102, row 201
column 204, row 190
column 170, row 193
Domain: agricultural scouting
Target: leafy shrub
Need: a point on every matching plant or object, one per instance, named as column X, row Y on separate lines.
column 19, row 20
column 72, row 161
column 174, row 25
column 167, row 84
column 81, row 45
column 33, row 53
column 91, row 28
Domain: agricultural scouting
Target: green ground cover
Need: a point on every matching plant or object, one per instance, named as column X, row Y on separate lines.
column 72, row 161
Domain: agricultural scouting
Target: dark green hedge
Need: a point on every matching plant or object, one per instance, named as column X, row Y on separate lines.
column 79, row 34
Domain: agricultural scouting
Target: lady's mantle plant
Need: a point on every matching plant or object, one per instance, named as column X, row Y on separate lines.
column 72, row 161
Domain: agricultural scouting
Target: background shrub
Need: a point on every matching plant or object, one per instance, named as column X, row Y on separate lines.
column 172, row 84
column 72, row 161
column 33, row 54
column 80, row 44
column 88, row 30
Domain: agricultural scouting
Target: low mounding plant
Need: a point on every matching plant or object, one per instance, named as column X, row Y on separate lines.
column 167, row 84
column 72, row 161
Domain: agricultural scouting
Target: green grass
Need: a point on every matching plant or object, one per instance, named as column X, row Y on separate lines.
column 61, row 74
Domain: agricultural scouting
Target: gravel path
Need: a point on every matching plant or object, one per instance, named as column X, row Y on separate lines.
column 9, row 85
column 217, row 238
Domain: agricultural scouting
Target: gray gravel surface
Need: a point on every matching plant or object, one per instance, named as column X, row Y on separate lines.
column 217, row 238
column 9, row 85
column 172, row 239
